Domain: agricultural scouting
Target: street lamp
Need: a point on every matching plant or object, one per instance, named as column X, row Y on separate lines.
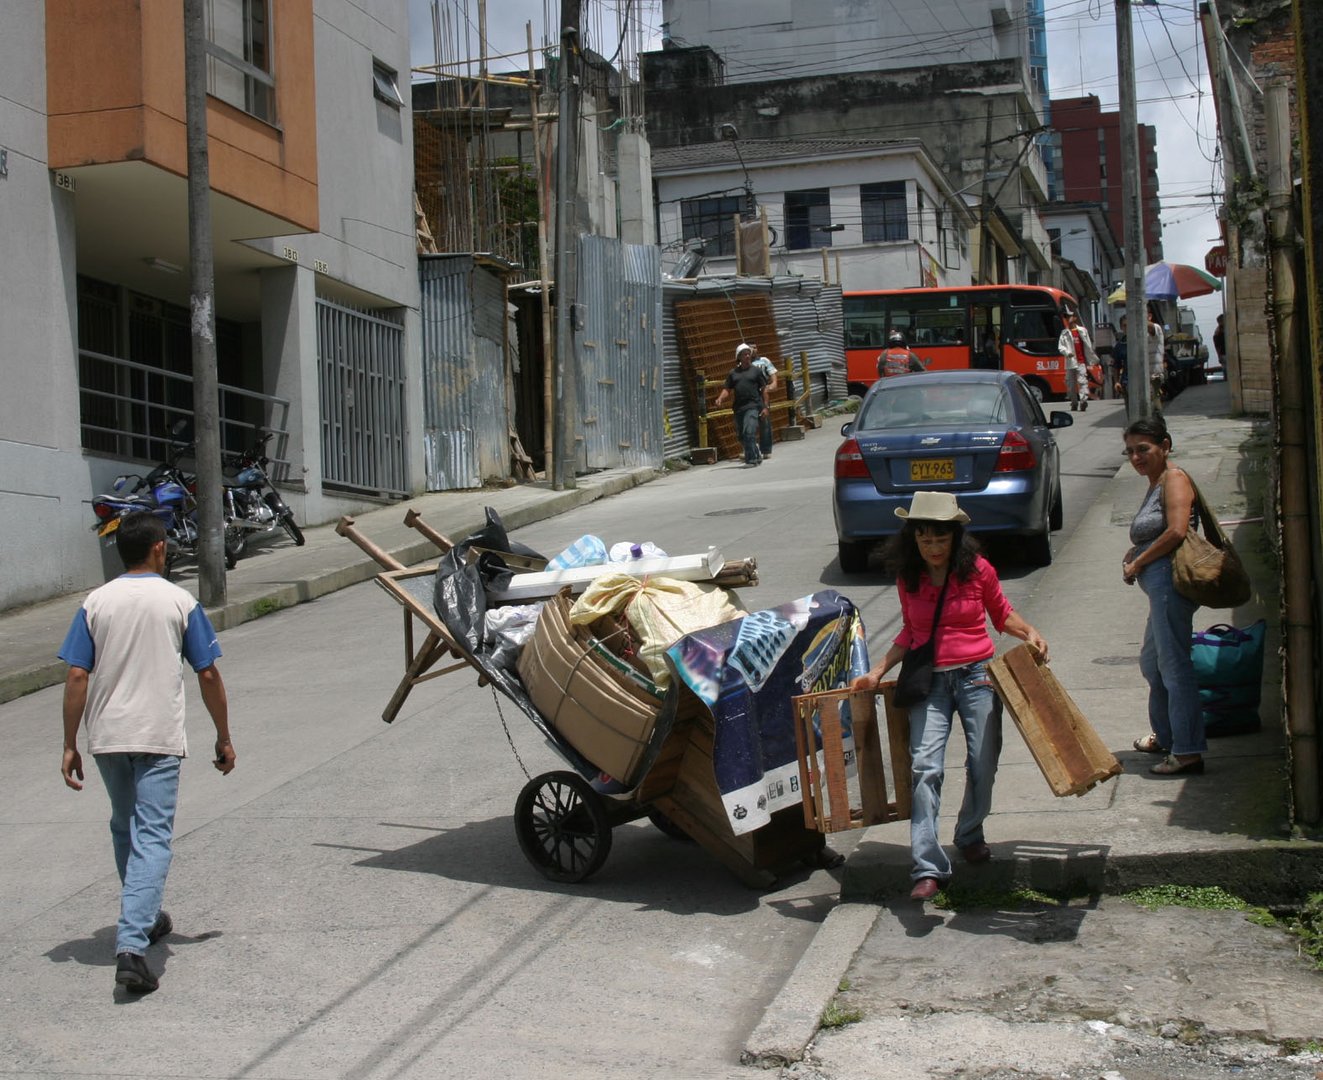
column 731, row 134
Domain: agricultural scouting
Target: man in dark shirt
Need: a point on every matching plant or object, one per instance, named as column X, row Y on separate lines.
column 748, row 385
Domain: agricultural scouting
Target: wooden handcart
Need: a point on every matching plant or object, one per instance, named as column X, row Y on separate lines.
column 563, row 823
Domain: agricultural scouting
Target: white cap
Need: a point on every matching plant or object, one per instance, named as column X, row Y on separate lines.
column 741, row 347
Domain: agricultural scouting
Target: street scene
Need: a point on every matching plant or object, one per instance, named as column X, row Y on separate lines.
column 352, row 901
column 661, row 538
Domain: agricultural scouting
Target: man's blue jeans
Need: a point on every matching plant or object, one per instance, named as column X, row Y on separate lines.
column 746, row 426
column 1174, row 713
column 143, row 790
column 969, row 691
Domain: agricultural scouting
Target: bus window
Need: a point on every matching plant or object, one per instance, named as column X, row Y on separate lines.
column 928, row 319
column 865, row 322
column 986, row 321
column 1035, row 330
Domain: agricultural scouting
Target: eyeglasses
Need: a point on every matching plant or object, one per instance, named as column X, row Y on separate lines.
column 933, row 537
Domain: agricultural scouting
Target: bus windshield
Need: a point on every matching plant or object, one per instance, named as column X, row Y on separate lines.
column 1011, row 327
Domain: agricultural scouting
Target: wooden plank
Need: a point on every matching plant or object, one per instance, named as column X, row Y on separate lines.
column 810, row 795
column 877, row 808
column 833, row 751
column 898, row 739
column 1067, row 750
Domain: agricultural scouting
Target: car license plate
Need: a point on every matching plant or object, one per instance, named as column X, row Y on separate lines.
column 932, row 469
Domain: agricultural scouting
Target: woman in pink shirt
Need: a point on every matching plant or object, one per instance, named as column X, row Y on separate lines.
column 931, row 546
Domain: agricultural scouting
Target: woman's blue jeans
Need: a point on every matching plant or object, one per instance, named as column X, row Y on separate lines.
column 143, row 790
column 1174, row 713
column 967, row 690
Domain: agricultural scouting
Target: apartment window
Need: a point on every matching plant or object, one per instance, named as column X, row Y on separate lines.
column 807, row 213
column 386, row 85
column 884, row 211
column 712, row 220
column 239, row 56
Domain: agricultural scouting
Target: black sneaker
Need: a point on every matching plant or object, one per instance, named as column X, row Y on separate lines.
column 132, row 973
column 160, row 928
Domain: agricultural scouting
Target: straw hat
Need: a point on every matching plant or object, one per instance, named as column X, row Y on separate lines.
column 932, row 506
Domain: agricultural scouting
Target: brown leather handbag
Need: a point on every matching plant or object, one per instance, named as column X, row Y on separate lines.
column 1208, row 571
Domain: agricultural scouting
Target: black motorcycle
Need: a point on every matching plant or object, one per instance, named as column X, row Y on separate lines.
column 253, row 507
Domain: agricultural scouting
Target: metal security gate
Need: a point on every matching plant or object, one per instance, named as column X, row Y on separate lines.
column 360, row 376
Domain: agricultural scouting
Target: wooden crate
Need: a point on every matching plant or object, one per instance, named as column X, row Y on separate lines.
column 1069, row 752
column 825, row 786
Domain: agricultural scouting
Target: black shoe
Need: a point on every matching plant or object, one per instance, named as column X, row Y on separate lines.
column 1084, row 406
column 132, row 973
column 160, row 928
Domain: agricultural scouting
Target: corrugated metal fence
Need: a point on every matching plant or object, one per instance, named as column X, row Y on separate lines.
column 619, row 353
column 808, row 319
column 466, row 425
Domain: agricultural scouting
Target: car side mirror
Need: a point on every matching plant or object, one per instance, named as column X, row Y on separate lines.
column 847, row 427
column 1060, row 419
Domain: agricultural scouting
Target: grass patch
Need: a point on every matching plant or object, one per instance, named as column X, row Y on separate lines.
column 955, row 898
column 1307, row 926
column 265, row 606
column 1204, row 897
column 836, row 1015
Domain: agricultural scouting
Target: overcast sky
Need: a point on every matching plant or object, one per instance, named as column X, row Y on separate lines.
column 1172, row 87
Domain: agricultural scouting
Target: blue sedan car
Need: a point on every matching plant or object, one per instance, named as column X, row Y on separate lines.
column 980, row 435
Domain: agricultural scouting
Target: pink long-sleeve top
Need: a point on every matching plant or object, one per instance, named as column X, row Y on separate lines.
column 964, row 637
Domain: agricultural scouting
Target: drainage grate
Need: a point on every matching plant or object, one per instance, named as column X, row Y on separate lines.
column 736, row 510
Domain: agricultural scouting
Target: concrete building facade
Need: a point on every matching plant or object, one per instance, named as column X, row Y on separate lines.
column 309, row 146
column 1089, row 142
column 861, row 215
column 762, row 40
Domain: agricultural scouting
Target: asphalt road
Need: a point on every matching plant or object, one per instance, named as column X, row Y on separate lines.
column 351, row 902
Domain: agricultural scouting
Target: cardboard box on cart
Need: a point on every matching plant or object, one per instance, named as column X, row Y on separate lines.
column 600, row 711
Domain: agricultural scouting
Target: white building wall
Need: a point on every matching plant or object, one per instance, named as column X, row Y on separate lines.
column 849, row 260
column 45, row 546
column 366, row 252
column 771, row 39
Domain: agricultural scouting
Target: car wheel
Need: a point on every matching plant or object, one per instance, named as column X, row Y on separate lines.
column 1057, row 517
column 1038, row 549
column 854, row 556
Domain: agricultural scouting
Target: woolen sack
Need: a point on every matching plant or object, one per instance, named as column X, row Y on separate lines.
column 1208, row 571
column 915, row 681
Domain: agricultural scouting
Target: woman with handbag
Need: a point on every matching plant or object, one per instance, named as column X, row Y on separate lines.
column 1176, row 724
column 948, row 591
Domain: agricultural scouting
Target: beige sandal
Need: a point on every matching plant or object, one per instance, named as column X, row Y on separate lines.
column 1148, row 744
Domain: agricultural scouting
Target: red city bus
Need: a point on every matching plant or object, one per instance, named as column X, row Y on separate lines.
column 1013, row 327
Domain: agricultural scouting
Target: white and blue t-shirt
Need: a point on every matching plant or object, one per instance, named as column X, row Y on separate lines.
column 132, row 635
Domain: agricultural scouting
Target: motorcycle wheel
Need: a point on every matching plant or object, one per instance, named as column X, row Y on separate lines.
column 295, row 533
column 236, row 543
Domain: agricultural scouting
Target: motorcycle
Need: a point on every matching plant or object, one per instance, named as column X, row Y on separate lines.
column 171, row 494
column 250, row 509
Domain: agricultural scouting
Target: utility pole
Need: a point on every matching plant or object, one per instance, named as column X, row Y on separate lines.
column 202, row 314
column 544, row 298
column 567, row 238
column 1132, row 187
column 983, row 198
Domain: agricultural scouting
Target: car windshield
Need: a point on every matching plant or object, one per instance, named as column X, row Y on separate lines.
column 935, row 405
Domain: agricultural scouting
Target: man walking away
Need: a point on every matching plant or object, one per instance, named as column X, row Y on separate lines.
column 749, row 387
column 124, row 650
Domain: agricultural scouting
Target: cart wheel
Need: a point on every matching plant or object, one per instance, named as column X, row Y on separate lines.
column 562, row 826
column 669, row 827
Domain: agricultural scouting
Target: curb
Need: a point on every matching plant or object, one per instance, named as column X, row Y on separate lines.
column 792, row 1019
column 266, row 600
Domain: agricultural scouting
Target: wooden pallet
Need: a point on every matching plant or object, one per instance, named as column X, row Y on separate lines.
column 1069, row 752
column 823, row 780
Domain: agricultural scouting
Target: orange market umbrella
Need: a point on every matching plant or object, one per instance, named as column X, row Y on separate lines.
column 1172, row 281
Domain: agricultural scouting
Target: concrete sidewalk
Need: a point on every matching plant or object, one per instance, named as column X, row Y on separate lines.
column 1229, row 827
column 282, row 575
